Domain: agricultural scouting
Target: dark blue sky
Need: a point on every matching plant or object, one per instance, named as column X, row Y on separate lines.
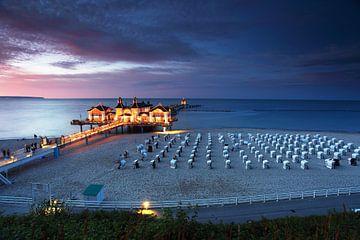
column 216, row 49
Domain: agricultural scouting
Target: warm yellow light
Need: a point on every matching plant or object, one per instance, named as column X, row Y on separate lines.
column 146, row 204
column 173, row 132
column 148, row 212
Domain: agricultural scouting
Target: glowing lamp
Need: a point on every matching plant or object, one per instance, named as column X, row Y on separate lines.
column 146, row 204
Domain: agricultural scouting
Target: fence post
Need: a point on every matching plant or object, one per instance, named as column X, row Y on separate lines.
column 264, row 198
column 250, row 200
column 236, row 201
column 349, row 191
column 338, row 193
column 314, row 195
column 326, row 194
column 289, row 196
column 277, row 197
column 302, row 195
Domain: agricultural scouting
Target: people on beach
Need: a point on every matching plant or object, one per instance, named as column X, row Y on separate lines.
column 31, row 147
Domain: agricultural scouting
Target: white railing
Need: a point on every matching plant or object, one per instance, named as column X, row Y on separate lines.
column 193, row 202
column 16, row 200
column 214, row 201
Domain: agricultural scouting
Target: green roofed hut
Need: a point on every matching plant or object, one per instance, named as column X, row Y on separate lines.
column 94, row 192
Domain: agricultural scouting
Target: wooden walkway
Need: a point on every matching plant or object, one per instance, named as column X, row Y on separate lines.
column 105, row 129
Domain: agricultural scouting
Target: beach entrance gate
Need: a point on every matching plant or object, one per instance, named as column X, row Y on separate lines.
column 94, row 192
column 40, row 192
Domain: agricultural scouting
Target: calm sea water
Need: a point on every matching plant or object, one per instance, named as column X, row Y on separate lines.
column 51, row 117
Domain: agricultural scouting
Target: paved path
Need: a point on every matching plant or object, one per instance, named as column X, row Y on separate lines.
column 270, row 210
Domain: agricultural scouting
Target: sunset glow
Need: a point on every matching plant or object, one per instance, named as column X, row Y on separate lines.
column 218, row 50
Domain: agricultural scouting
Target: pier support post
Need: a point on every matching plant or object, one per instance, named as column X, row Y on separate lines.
column 116, row 130
column 86, row 140
column 81, row 128
column 142, row 129
column 122, row 129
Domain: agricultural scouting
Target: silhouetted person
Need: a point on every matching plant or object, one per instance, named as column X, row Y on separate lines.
column 4, row 153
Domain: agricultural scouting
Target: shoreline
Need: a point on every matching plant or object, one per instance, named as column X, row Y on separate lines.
column 195, row 129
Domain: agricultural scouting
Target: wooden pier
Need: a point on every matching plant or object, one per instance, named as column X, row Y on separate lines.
column 106, row 128
column 21, row 157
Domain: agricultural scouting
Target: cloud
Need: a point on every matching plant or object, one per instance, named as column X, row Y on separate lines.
column 212, row 48
column 332, row 57
column 92, row 40
column 68, row 64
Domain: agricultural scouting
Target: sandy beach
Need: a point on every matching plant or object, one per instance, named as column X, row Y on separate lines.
column 80, row 165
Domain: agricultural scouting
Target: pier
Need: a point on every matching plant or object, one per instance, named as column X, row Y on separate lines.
column 137, row 116
column 20, row 157
column 105, row 128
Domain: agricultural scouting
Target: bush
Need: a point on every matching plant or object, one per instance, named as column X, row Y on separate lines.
column 129, row 225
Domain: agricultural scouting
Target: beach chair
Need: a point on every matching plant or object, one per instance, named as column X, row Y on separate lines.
column 228, row 164
column 136, row 164
column 248, row 165
column 286, row 165
column 295, row 159
column 173, row 163
column 190, row 163
column 153, row 164
column 352, row 161
column 329, row 163
column 304, row 164
column 209, row 164
column 265, row 164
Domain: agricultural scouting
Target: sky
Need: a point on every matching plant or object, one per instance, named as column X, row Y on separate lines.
column 195, row 49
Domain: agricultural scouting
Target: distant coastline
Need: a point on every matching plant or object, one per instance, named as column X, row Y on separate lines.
column 20, row 97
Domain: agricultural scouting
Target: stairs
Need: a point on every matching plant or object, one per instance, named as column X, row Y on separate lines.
column 5, row 180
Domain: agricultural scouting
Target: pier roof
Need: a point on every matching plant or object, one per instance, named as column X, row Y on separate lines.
column 159, row 106
column 100, row 107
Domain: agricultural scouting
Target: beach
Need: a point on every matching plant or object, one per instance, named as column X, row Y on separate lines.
column 80, row 165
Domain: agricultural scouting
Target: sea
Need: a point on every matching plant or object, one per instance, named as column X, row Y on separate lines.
column 24, row 117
